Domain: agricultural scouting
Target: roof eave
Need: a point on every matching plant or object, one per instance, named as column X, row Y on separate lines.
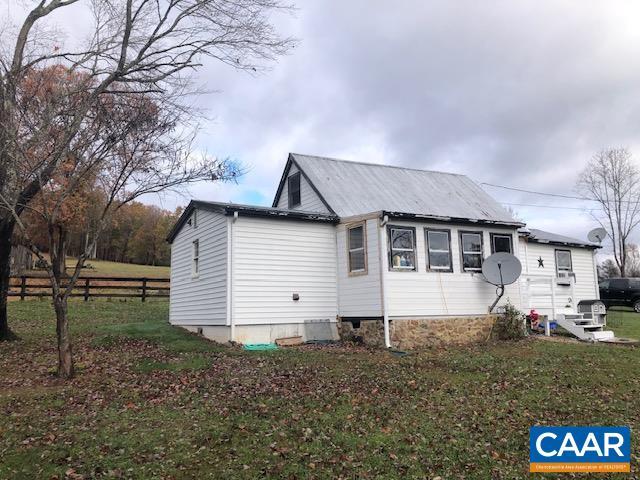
column 562, row 244
column 281, row 214
column 447, row 219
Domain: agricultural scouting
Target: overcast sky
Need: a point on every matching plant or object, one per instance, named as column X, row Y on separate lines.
column 513, row 93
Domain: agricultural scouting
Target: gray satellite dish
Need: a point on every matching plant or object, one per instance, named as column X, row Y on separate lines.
column 501, row 269
column 597, row 235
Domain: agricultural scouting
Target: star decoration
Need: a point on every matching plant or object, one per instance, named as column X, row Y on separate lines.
column 540, row 262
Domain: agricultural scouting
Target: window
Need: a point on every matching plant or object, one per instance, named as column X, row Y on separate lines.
column 619, row 284
column 195, row 264
column 563, row 261
column 471, row 248
column 357, row 249
column 438, row 250
column 501, row 243
column 604, row 284
column 294, row 190
column 193, row 220
column 402, row 248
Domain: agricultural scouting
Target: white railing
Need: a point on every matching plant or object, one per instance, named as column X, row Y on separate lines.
column 542, row 293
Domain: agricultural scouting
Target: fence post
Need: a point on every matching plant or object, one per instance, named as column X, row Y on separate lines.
column 144, row 289
column 23, row 287
column 86, row 290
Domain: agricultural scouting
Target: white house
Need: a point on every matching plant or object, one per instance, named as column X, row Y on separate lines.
column 392, row 253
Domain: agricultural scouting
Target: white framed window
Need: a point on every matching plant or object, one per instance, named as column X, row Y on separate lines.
column 563, row 261
column 195, row 259
column 438, row 243
column 471, row 251
column 501, row 242
column 294, row 190
column 357, row 249
column 402, row 248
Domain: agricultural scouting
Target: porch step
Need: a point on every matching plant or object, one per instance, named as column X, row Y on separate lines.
column 584, row 328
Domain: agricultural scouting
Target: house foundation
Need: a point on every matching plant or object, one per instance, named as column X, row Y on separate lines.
column 422, row 332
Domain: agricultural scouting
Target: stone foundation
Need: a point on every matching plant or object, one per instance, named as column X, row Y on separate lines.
column 409, row 334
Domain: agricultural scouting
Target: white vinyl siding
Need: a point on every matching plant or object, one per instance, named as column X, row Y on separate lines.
column 309, row 199
column 582, row 259
column 201, row 299
column 429, row 293
column 360, row 295
column 274, row 259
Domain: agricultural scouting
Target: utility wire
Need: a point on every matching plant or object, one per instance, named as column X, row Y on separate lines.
column 545, row 206
column 539, row 193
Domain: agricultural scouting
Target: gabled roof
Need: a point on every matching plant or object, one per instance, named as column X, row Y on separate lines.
column 249, row 211
column 356, row 188
column 540, row 236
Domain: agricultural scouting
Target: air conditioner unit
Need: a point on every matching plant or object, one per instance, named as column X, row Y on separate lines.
column 564, row 278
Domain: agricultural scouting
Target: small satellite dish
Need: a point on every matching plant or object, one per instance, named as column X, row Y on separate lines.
column 597, row 235
column 501, row 269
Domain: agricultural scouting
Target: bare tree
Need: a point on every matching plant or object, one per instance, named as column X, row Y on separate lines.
column 138, row 47
column 613, row 180
column 129, row 149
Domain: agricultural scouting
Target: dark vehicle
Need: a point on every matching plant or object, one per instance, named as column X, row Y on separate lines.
column 621, row 291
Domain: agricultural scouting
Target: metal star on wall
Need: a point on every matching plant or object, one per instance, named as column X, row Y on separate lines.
column 540, row 262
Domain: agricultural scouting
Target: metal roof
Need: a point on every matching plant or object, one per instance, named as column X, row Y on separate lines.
column 356, row 188
column 540, row 236
column 250, row 211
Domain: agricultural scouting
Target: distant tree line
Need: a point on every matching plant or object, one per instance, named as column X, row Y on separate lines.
column 609, row 269
column 135, row 233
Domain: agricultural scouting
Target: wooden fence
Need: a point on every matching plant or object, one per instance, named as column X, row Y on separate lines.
column 92, row 287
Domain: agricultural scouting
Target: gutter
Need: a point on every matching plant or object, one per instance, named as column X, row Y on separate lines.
column 383, row 269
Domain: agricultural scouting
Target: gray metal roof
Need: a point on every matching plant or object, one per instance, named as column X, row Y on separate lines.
column 355, row 188
column 540, row 236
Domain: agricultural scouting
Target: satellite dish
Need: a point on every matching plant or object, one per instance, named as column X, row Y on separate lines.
column 501, row 269
column 597, row 235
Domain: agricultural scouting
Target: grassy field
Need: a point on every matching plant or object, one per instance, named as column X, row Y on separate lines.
column 115, row 269
column 151, row 401
column 101, row 268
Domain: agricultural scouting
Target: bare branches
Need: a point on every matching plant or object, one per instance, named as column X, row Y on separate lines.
column 613, row 180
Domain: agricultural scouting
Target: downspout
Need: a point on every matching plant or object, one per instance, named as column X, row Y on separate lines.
column 595, row 274
column 383, row 270
column 230, row 319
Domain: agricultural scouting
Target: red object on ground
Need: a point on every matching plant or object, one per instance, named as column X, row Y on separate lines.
column 534, row 316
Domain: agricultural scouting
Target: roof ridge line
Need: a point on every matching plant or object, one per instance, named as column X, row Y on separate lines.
column 341, row 160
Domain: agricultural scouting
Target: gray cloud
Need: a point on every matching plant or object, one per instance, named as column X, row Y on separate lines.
column 517, row 93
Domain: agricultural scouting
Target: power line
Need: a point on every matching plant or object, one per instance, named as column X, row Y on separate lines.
column 544, row 206
column 539, row 193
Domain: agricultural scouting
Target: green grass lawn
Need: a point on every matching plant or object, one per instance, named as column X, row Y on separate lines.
column 152, row 401
column 624, row 322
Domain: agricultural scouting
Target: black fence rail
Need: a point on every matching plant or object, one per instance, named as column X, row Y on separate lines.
column 24, row 286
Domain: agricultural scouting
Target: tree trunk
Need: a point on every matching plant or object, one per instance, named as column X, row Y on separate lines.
column 65, row 356
column 6, row 230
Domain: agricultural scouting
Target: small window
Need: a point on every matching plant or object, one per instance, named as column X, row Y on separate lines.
column 471, row 248
column 501, row 243
column 402, row 248
column 195, row 265
column 357, row 249
column 438, row 250
column 563, row 261
column 294, row 190
column 193, row 219
column 604, row 284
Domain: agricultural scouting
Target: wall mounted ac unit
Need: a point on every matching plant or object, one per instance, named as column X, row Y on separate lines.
column 564, row 278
